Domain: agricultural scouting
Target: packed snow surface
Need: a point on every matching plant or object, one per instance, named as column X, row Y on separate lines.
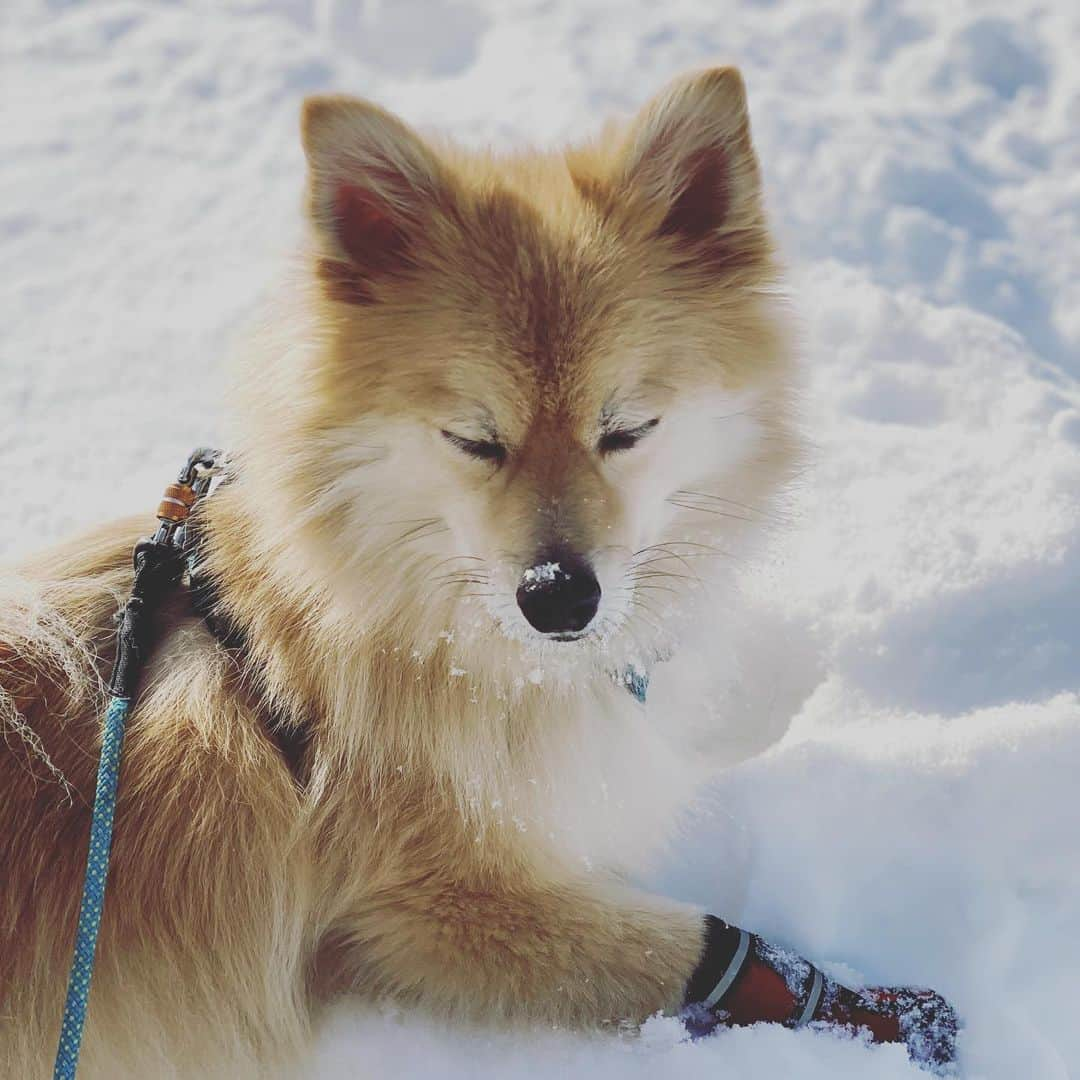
column 920, row 821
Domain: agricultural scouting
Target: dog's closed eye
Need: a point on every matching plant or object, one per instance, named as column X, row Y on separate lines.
column 612, row 442
column 481, row 449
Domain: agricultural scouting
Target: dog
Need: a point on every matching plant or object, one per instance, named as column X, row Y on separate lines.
column 499, row 447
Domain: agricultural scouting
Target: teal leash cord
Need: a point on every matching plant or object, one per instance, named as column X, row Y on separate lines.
column 93, row 897
column 159, row 565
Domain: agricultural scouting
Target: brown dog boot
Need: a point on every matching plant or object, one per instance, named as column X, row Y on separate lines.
column 743, row 980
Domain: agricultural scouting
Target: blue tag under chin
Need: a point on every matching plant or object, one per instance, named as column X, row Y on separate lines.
column 636, row 681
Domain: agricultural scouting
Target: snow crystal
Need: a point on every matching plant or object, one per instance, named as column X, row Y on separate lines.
column 544, row 574
column 792, row 968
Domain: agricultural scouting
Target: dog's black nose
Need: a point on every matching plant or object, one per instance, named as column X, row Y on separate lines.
column 559, row 595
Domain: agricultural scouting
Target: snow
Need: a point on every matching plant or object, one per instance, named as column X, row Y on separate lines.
column 919, row 821
column 536, row 577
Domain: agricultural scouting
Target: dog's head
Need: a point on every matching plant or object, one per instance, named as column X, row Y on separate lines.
column 543, row 392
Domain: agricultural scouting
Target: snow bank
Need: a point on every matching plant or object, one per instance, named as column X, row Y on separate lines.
column 919, row 822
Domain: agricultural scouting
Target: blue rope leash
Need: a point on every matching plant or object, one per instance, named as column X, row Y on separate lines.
column 159, row 565
column 93, row 897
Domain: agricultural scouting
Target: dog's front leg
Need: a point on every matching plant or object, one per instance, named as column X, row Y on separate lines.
column 593, row 951
column 573, row 952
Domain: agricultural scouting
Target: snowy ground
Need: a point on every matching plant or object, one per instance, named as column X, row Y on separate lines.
column 920, row 822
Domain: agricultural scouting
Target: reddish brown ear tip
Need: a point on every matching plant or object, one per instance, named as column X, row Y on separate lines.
column 723, row 85
column 319, row 112
column 727, row 76
column 313, row 113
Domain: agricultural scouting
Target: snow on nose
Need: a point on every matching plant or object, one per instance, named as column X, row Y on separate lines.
column 559, row 595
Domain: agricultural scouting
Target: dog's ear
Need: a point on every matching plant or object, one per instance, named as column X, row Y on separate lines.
column 373, row 189
column 688, row 169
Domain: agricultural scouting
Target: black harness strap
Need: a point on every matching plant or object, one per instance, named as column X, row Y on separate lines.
column 292, row 739
column 158, row 569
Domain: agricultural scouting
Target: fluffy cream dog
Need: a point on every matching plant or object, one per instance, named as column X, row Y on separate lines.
column 511, row 417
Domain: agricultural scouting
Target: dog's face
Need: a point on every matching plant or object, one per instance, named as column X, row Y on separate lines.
column 549, row 389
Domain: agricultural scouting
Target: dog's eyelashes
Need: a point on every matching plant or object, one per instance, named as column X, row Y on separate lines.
column 482, row 450
column 612, row 442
